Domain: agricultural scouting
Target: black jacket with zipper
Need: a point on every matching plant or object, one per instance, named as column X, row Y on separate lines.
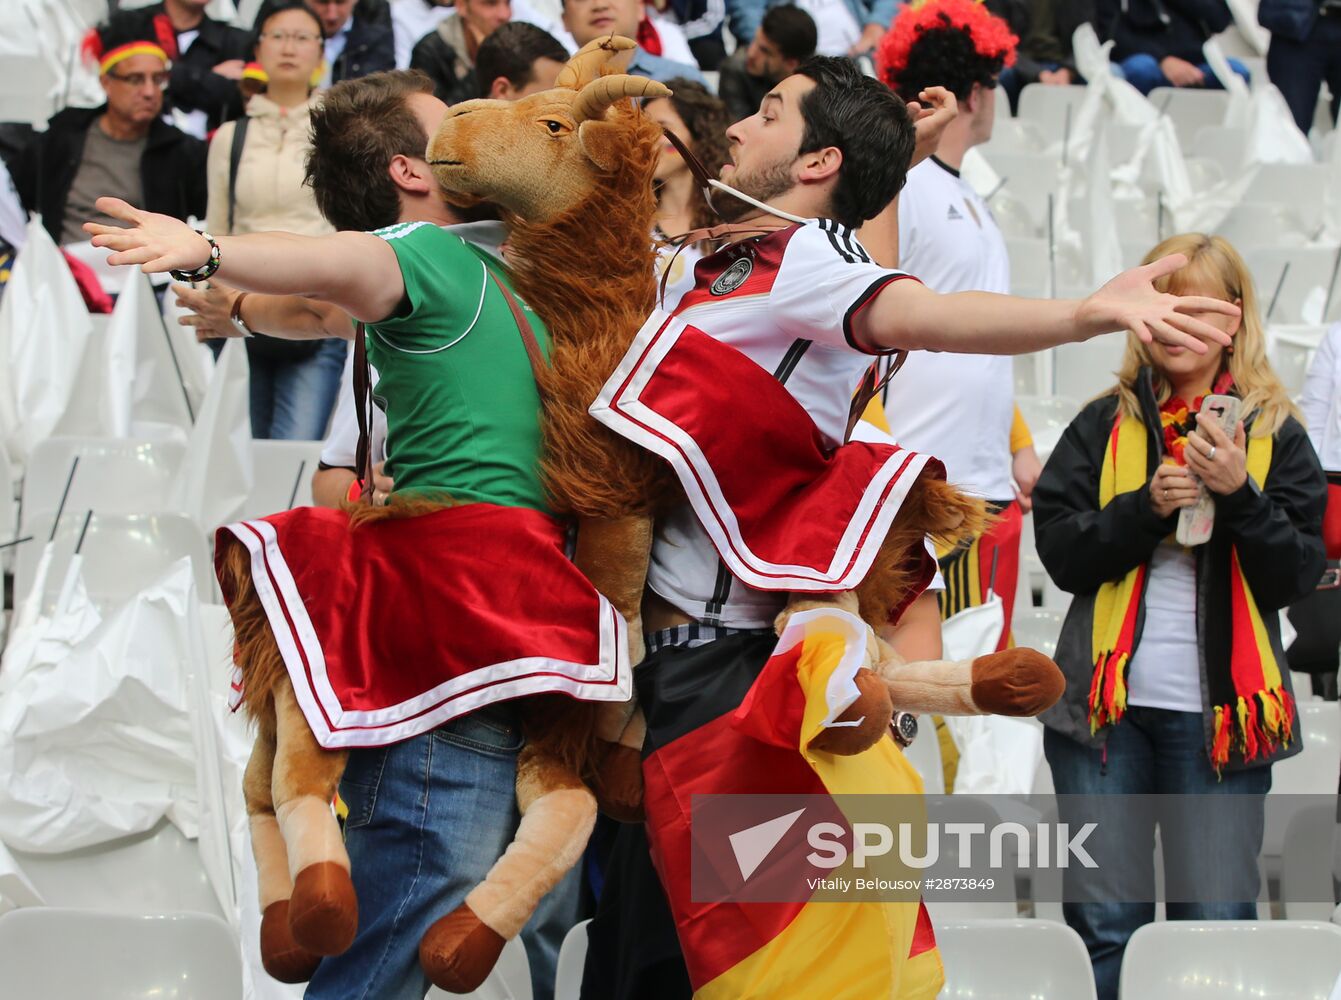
column 1276, row 529
column 1161, row 27
column 194, row 86
column 172, row 169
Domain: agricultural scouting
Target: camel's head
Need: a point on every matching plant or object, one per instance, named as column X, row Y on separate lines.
column 543, row 155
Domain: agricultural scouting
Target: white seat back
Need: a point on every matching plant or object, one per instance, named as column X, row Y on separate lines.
column 1190, row 109
column 114, row 476
column 1010, row 959
column 1037, row 628
column 1266, row 960
column 282, row 476
column 572, row 960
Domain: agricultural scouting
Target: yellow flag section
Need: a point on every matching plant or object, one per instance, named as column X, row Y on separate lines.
column 840, row 950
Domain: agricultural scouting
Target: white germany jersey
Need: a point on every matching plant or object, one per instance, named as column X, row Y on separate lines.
column 957, row 406
column 786, row 301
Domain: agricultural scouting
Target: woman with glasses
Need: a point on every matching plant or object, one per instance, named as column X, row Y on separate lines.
column 256, row 170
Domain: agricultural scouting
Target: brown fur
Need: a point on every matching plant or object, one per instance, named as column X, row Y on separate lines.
column 591, row 278
column 254, row 647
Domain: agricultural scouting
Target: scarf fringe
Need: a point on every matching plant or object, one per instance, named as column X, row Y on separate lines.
column 1265, row 724
column 1108, row 690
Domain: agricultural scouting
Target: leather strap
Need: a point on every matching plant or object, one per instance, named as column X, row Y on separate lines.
column 870, row 388
column 533, row 353
column 363, row 411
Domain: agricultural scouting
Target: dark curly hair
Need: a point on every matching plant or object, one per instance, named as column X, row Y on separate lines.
column 707, row 118
column 944, row 43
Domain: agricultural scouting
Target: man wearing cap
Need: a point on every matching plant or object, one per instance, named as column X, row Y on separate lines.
column 123, row 147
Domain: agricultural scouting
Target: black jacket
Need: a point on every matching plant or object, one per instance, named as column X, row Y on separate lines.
column 172, row 169
column 371, row 45
column 1277, row 531
column 738, row 89
column 194, row 85
column 1161, row 27
column 453, row 81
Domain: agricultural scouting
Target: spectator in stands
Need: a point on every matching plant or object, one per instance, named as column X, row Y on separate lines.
column 447, row 54
column 359, row 38
column 959, row 407
column 1305, row 50
column 1044, row 55
column 411, row 20
column 784, row 39
column 1176, row 677
column 256, row 170
column 123, row 149
column 1317, row 618
column 587, row 20
column 207, row 59
column 700, row 21
column 846, row 27
column 518, row 60
column 1157, row 43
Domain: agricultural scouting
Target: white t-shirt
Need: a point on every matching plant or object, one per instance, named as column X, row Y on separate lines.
column 790, row 316
column 1165, row 670
column 958, row 407
column 836, row 29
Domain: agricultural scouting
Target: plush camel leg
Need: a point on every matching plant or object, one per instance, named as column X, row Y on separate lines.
column 1016, row 682
column 619, row 774
column 872, row 711
column 558, row 812
column 614, row 553
column 323, row 911
column 284, row 959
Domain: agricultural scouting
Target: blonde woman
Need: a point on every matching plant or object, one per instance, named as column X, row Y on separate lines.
column 1176, row 678
column 256, row 171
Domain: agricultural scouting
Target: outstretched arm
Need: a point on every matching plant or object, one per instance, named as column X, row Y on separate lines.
column 356, row 271
column 909, row 316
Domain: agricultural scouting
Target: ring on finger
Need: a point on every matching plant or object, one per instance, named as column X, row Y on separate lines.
column 1210, row 455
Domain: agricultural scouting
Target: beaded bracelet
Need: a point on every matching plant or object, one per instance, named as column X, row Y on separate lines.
column 206, row 270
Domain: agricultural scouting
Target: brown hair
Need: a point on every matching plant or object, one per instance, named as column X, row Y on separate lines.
column 706, row 117
column 356, row 130
column 1214, row 268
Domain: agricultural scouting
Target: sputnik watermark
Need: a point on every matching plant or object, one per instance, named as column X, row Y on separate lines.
column 1049, row 844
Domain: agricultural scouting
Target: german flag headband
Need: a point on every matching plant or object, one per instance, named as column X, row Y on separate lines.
column 123, row 52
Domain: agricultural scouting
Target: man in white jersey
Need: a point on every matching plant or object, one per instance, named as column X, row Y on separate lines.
column 805, row 303
column 959, row 406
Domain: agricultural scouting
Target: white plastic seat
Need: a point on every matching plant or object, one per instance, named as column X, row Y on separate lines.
column 1312, row 772
column 1191, row 109
column 1256, row 224
column 1304, row 185
column 114, row 476
column 281, row 476
column 1047, row 107
column 1306, row 865
column 1225, row 144
column 1086, row 369
column 1266, row 960
column 1309, row 274
column 1030, row 177
column 1037, row 628
column 925, row 756
column 49, row 952
column 1013, row 959
column 1047, row 417
column 122, row 554
column 572, row 959
column 1290, row 348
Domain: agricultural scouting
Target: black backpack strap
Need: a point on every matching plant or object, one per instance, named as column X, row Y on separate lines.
column 235, row 158
column 363, row 404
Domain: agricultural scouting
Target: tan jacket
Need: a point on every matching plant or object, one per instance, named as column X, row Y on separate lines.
column 270, row 189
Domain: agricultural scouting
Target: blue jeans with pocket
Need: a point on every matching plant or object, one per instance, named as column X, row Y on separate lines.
column 1154, row 751
column 1142, row 72
column 427, row 819
column 292, row 400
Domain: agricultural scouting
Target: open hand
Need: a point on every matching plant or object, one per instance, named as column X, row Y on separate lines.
column 156, row 242
column 1220, row 463
column 1171, row 489
column 1131, row 302
column 1181, row 73
column 934, row 109
column 211, row 308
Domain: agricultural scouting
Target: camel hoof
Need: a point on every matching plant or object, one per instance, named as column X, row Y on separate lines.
column 873, row 707
column 459, row 951
column 283, row 957
column 619, row 785
column 1019, row 682
column 323, row 911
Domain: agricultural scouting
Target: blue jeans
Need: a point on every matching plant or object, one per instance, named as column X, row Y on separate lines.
column 427, row 819
column 292, row 400
column 1153, row 751
column 1142, row 72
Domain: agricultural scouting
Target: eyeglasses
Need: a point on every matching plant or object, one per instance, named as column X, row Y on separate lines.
column 297, row 37
column 138, row 80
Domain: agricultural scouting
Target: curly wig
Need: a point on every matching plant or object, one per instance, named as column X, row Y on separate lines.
column 944, row 43
column 707, row 118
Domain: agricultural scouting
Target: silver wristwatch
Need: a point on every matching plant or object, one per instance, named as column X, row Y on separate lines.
column 904, row 725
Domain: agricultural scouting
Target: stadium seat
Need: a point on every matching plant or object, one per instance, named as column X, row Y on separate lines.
column 1032, row 178
column 114, row 475
column 572, row 958
column 122, row 554
column 1047, row 417
column 282, row 476
column 1011, row 959
column 1257, row 224
column 1225, row 144
column 1290, row 349
column 1037, row 628
column 1289, row 277
column 1303, row 185
column 1266, row 960
column 1051, row 109
column 1190, row 109
column 1307, row 863
column 1312, row 772
column 74, row 954
column 1086, row 369
column 925, row 756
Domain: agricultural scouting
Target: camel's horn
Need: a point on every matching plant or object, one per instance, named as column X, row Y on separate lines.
column 595, row 97
column 586, row 64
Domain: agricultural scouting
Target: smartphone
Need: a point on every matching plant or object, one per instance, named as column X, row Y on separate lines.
column 1196, row 523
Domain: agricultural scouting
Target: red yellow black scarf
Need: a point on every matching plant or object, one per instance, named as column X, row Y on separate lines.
column 1253, row 711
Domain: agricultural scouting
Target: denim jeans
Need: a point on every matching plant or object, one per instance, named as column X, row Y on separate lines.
column 1142, row 72
column 292, row 400
column 1153, row 751
column 427, row 819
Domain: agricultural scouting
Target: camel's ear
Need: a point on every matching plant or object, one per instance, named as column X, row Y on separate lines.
column 600, row 141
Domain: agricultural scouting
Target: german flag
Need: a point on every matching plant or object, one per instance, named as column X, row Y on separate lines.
column 735, row 717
